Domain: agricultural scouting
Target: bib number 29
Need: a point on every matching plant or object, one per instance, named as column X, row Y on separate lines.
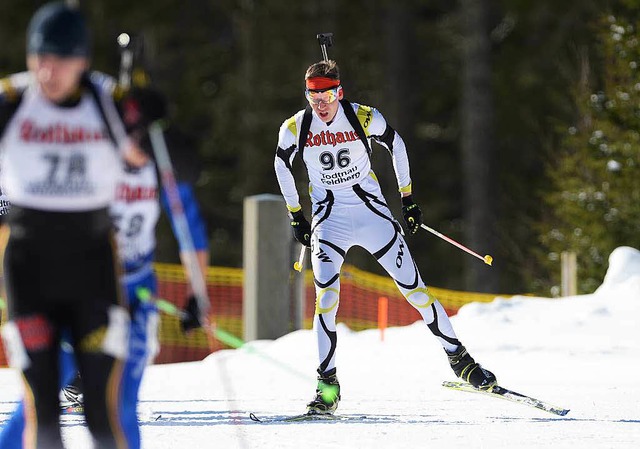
column 328, row 161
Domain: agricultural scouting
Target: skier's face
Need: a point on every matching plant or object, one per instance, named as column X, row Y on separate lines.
column 58, row 77
column 324, row 102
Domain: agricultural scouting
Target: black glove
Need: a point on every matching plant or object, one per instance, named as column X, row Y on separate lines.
column 301, row 228
column 191, row 319
column 412, row 214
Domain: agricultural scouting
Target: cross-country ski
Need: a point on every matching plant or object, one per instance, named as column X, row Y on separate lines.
column 509, row 395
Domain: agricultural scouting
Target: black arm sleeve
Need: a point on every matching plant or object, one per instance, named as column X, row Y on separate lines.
column 386, row 138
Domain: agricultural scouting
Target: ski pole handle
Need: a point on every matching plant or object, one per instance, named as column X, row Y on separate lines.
column 300, row 263
column 486, row 259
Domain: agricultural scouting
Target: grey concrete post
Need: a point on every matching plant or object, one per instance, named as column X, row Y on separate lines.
column 267, row 266
column 569, row 273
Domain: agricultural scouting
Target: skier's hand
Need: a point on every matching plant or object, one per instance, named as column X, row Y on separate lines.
column 191, row 319
column 412, row 214
column 301, row 228
column 134, row 156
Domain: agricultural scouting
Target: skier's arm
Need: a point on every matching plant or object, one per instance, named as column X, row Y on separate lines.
column 5, row 205
column 197, row 226
column 8, row 106
column 197, row 229
column 285, row 154
column 386, row 136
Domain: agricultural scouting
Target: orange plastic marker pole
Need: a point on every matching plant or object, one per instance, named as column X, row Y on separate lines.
column 383, row 314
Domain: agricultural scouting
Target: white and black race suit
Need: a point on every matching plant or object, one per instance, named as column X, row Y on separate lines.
column 349, row 209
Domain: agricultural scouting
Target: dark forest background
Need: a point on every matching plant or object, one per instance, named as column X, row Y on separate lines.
column 520, row 117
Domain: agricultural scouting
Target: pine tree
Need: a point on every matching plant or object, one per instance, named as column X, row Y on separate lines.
column 596, row 200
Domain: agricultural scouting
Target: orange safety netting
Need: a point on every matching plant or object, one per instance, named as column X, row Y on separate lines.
column 359, row 294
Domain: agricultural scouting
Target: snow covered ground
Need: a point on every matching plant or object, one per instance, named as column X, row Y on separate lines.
column 581, row 353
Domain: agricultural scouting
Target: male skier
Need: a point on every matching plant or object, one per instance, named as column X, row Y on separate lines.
column 332, row 136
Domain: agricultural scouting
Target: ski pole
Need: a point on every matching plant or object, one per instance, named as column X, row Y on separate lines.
column 486, row 259
column 183, row 234
column 324, row 40
column 145, row 295
column 165, row 168
column 300, row 262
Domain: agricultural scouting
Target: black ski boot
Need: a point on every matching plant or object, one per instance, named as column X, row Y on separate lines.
column 468, row 370
column 327, row 394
